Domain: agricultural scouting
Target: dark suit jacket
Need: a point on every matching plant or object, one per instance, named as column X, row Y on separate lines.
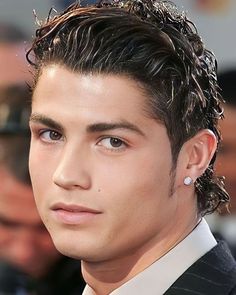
column 212, row 274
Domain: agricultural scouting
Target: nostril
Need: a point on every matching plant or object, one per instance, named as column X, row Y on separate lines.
column 72, row 180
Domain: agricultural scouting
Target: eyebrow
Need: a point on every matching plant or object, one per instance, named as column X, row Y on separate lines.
column 100, row 127
column 92, row 128
column 38, row 118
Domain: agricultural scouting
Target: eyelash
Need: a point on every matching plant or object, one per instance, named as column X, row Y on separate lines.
column 50, row 132
column 112, row 148
column 117, row 140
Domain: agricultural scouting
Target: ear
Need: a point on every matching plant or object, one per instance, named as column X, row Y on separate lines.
column 196, row 154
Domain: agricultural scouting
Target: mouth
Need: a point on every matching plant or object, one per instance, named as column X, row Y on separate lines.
column 73, row 214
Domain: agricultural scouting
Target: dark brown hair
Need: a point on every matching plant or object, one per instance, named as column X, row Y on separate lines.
column 155, row 44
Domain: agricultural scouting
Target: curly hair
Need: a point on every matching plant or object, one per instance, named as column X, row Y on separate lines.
column 156, row 45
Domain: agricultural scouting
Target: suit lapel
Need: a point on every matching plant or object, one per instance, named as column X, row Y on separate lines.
column 214, row 273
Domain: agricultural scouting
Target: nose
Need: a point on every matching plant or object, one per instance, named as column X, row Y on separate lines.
column 72, row 170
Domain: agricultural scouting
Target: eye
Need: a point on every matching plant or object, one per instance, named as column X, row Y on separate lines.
column 50, row 135
column 112, row 143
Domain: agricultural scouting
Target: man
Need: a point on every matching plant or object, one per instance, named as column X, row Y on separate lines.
column 124, row 136
column 29, row 261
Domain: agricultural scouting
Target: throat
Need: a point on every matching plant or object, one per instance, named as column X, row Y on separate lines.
column 108, row 275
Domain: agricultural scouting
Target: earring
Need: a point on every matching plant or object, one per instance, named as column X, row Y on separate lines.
column 188, row 180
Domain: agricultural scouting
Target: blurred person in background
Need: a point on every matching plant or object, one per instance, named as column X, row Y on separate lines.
column 29, row 261
column 224, row 224
column 13, row 43
column 227, row 156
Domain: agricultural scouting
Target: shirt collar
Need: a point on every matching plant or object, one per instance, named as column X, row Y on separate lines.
column 158, row 277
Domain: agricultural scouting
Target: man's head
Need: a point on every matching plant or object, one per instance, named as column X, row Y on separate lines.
column 227, row 153
column 25, row 242
column 125, row 106
column 178, row 73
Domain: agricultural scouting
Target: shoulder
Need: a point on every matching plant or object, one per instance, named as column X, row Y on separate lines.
column 214, row 273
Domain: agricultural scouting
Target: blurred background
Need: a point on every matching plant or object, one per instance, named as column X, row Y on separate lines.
column 216, row 23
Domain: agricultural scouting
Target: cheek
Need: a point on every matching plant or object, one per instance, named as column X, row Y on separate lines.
column 135, row 176
column 135, row 190
column 41, row 169
column 39, row 182
column 35, row 165
column 137, row 206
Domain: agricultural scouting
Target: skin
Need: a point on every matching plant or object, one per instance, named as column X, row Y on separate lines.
column 227, row 155
column 74, row 159
column 24, row 241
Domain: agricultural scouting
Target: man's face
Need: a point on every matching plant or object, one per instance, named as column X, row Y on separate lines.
column 100, row 166
column 226, row 163
column 24, row 241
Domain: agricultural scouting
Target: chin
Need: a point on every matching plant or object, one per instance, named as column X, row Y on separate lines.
column 72, row 246
column 88, row 252
column 65, row 248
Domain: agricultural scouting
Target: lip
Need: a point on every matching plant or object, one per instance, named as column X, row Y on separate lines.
column 73, row 214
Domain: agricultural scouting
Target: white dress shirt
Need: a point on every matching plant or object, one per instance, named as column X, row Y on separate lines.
column 159, row 276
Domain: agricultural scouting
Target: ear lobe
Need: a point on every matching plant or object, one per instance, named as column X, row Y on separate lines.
column 200, row 150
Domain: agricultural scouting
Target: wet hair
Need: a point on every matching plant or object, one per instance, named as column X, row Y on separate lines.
column 14, row 130
column 157, row 46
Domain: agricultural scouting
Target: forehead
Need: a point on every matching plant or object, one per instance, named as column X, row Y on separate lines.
column 111, row 94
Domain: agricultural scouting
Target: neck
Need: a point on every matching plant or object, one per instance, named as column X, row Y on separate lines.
column 106, row 276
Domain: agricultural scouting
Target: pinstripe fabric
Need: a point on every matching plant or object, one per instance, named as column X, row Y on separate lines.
column 213, row 274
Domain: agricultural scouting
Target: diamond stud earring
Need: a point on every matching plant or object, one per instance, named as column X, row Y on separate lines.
column 188, row 180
